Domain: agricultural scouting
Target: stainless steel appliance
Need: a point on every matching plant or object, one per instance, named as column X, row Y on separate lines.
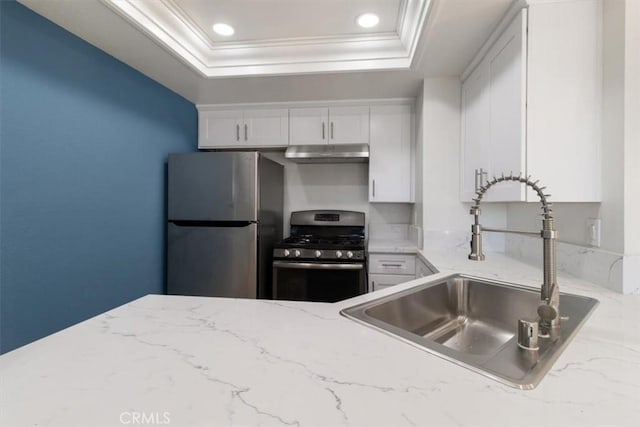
column 323, row 259
column 224, row 215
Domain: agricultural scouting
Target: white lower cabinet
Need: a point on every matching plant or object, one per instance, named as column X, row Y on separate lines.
column 381, row 281
column 392, row 264
column 387, row 269
column 390, row 269
column 422, row 269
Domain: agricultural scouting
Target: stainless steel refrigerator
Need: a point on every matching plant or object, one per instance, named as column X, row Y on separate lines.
column 224, row 215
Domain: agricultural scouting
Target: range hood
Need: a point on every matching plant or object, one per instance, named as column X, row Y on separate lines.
column 356, row 153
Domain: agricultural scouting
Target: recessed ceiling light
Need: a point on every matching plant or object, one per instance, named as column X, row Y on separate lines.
column 223, row 29
column 368, row 20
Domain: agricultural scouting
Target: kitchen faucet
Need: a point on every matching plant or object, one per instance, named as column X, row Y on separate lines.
column 549, row 308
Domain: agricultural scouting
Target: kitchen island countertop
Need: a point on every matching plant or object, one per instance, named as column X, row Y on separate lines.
column 190, row 361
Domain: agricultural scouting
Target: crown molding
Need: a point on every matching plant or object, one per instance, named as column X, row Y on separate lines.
column 170, row 27
column 308, row 104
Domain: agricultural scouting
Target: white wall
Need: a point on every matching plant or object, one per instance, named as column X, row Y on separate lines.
column 442, row 211
column 612, row 211
column 632, row 131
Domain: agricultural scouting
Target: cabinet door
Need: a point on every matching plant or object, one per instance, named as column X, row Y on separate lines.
column 219, row 129
column 308, row 126
column 266, row 128
column 494, row 119
column 381, row 281
column 390, row 164
column 349, row 125
column 507, row 83
column 475, row 131
column 564, row 99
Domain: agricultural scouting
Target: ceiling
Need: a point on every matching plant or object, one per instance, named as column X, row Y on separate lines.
column 283, row 50
column 268, row 19
column 280, row 37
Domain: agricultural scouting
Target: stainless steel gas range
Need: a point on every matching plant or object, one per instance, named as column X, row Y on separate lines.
column 323, row 259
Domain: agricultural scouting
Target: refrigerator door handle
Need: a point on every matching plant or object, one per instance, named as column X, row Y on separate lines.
column 233, row 183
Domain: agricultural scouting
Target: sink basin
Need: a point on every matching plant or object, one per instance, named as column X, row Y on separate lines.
column 473, row 322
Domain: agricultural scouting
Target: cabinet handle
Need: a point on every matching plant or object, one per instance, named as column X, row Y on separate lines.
column 245, row 131
column 322, row 130
column 391, row 265
column 331, row 130
column 237, row 132
column 374, row 188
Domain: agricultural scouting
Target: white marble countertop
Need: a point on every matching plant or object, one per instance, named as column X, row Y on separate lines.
column 189, row 361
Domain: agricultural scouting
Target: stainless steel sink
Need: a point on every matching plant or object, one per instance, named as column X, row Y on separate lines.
column 473, row 322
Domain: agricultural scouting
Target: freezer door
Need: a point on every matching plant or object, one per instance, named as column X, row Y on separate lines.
column 217, row 186
column 211, row 260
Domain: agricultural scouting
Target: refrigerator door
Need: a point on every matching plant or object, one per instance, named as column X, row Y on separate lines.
column 212, row 261
column 218, row 186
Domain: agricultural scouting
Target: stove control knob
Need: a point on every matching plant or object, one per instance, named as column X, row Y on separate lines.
column 338, row 254
column 349, row 254
column 318, row 254
column 286, row 252
column 296, row 253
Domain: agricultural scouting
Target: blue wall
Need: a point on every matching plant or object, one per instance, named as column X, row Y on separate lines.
column 84, row 140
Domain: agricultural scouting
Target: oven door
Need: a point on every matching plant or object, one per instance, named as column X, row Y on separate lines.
column 316, row 281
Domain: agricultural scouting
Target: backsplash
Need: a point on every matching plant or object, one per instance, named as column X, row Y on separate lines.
column 593, row 264
column 390, row 213
column 460, row 240
column 395, row 233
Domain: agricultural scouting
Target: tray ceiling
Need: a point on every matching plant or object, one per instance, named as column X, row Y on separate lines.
column 281, row 36
column 454, row 31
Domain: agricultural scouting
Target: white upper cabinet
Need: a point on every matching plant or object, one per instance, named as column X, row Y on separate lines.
column 335, row 125
column 219, row 128
column 243, row 128
column 308, row 126
column 507, row 78
column 266, row 128
column 349, row 125
column 390, row 157
column 475, row 130
column 532, row 105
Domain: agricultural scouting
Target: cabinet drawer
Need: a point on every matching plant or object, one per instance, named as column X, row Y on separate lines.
column 392, row 264
column 381, row 281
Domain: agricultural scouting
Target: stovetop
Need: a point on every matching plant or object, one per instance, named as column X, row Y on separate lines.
column 349, row 248
column 329, row 242
column 329, row 235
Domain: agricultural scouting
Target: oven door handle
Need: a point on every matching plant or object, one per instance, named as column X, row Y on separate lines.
column 306, row 265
